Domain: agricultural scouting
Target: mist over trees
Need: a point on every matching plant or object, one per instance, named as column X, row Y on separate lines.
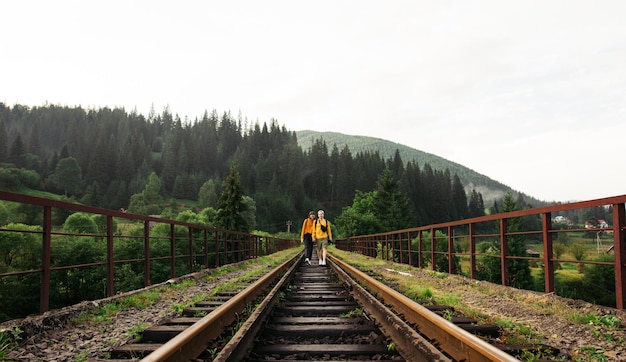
column 114, row 159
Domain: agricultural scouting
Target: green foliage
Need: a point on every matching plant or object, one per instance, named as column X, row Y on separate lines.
column 389, row 205
column 599, row 282
column 537, row 355
column 578, row 250
column 12, row 178
column 68, row 176
column 4, row 214
column 606, row 320
column 359, row 219
column 441, row 249
column 8, row 180
column 148, row 201
column 558, row 249
column 19, row 251
column 101, row 223
column 563, row 238
column 80, row 223
column 152, row 192
column 77, row 284
column 230, row 206
column 9, row 339
column 249, row 212
column 208, row 194
column 207, row 216
column 490, row 267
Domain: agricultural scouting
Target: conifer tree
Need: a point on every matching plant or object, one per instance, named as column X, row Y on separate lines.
column 519, row 269
column 17, row 154
column 459, row 199
column 476, row 207
column 231, row 208
column 390, row 205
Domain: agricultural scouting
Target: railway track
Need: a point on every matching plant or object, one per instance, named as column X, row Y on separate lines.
column 314, row 312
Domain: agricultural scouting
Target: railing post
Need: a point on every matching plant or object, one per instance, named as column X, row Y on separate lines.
column 110, row 258
column 410, row 247
column 206, row 248
column 146, row 253
column 433, row 255
column 504, row 246
column 472, row 246
column 217, row 249
column 172, row 251
column 450, row 250
column 190, row 249
column 386, row 249
column 619, row 239
column 401, row 242
column 44, row 297
column 548, row 255
column 420, row 249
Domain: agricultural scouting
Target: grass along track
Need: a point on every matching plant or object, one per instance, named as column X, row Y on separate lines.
column 585, row 331
column 92, row 329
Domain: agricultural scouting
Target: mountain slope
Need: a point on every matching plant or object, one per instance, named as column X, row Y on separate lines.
column 490, row 189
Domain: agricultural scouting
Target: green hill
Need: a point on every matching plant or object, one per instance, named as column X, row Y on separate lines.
column 489, row 188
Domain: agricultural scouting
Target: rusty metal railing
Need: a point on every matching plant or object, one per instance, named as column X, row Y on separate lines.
column 415, row 245
column 180, row 247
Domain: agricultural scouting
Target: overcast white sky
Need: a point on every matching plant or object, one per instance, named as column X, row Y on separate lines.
column 529, row 93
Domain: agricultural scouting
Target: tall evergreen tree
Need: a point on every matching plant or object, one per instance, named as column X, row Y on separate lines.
column 459, row 199
column 231, row 208
column 17, row 154
column 390, row 205
column 317, row 181
column 396, row 165
column 411, row 185
column 519, row 269
column 345, row 183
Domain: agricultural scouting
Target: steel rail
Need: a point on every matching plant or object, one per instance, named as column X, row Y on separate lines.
column 239, row 345
column 194, row 340
column 411, row 345
column 458, row 343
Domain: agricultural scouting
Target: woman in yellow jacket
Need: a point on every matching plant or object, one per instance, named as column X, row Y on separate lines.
column 321, row 235
column 306, row 236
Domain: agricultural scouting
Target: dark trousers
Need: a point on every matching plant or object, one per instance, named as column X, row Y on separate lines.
column 308, row 246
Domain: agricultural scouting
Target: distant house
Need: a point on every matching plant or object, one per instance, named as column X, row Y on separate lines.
column 600, row 223
column 559, row 218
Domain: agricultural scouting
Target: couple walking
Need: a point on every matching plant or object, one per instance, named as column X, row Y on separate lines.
column 315, row 230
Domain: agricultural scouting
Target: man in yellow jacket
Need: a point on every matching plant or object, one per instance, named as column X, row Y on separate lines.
column 321, row 235
column 306, row 236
